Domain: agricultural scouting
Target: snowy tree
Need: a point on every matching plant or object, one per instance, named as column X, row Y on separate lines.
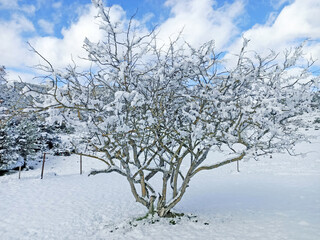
column 13, row 143
column 19, row 141
column 9, row 156
column 153, row 111
column 21, row 137
column 2, row 89
column 2, row 74
column 10, row 98
column 21, row 134
column 5, row 98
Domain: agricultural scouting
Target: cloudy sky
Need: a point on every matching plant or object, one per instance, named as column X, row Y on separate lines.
column 57, row 28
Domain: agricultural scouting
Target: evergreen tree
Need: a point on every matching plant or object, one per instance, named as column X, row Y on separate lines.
column 9, row 150
column 2, row 74
column 27, row 138
column 21, row 135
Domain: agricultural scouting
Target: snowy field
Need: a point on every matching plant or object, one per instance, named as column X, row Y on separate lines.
column 273, row 198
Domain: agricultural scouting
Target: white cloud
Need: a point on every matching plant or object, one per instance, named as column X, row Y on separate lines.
column 14, row 5
column 201, row 21
column 20, row 23
column 46, row 26
column 60, row 51
column 57, row 4
column 13, row 48
column 7, row 4
column 24, row 75
column 295, row 23
column 29, row 9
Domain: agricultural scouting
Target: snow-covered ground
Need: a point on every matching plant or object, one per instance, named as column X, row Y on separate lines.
column 273, row 198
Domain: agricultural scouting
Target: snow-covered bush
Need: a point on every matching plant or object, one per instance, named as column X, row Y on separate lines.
column 151, row 111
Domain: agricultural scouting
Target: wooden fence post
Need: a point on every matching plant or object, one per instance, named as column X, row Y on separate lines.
column 19, row 172
column 80, row 163
column 238, row 168
column 44, row 159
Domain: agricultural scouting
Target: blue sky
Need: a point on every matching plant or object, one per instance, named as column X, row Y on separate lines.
column 57, row 28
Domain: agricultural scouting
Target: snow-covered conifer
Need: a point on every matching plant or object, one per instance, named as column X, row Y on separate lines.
column 2, row 74
column 21, row 134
